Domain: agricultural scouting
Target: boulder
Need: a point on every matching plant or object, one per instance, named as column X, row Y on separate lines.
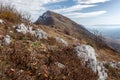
column 40, row 34
column 21, row 28
column 6, row 40
column 101, row 70
column 60, row 40
column 87, row 54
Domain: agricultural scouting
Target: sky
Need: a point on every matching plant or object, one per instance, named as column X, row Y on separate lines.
column 86, row 12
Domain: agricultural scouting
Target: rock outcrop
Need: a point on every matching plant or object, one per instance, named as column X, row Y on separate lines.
column 114, row 64
column 21, row 28
column 60, row 40
column 60, row 65
column 6, row 40
column 38, row 33
column 87, row 54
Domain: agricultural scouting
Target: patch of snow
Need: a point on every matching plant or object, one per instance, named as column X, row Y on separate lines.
column 87, row 54
column 60, row 65
column 40, row 34
column 60, row 40
column 6, row 41
column 1, row 21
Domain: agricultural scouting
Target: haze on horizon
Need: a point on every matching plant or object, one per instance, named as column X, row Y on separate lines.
column 86, row 12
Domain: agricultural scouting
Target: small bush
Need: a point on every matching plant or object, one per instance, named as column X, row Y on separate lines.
column 67, row 31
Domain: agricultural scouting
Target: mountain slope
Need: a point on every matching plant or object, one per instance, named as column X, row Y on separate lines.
column 69, row 27
column 62, row 23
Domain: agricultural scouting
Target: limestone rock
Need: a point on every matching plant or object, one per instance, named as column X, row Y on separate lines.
column 60, row 40
column 6, row 41
column 87, row 54
column 60, row 65
column 1, row 21
column 21, row 28
column 40, row 34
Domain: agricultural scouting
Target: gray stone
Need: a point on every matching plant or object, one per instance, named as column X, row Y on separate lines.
column 60, row 65
column 21, row 28
column 40, row 34
column 1, row 21
column 60, row 40
column 6, row 41
column 87, row 54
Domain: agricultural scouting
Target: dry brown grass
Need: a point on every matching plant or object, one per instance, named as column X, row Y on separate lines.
column 20, row 61
column 74, row 68
column 113, row 73
column 10, row 13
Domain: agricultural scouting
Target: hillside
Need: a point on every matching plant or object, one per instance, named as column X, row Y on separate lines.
column 69, row 27
column 48, row 51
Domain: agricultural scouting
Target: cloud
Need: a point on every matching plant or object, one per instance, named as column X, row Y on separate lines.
column 37, row 7
column 90, row 1
column 75, row 11
column 32, row 6
column 85, row 15
column 73, row 8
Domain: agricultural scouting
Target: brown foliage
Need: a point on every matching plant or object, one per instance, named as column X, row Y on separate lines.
column 24, row 63
column 74, row 68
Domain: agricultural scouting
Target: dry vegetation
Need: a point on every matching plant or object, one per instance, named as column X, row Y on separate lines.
column 113, row 73
column 27, row 58
column 20, row 61
column 10, row 13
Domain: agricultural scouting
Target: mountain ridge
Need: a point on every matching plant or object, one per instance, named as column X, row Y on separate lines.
column 69, row 27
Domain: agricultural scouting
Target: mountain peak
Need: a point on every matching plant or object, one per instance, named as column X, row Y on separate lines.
column 47, row 14
column 62, row 23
